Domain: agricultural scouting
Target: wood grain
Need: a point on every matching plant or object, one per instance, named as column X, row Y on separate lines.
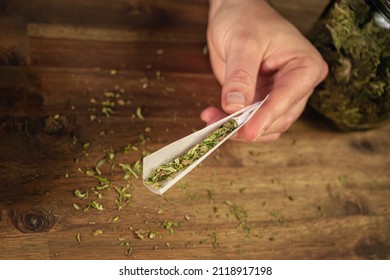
column 316, row 193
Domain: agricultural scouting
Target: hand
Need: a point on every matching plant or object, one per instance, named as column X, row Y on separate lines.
column 254, row 52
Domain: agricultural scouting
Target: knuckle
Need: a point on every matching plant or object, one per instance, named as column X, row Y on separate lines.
column 321, row 67
column 245, row 39
column 241, row 76
column 286, row 126
column 270, row 138
column 325, row 70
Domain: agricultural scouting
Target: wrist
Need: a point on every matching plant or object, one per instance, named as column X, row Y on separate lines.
column 216, row 4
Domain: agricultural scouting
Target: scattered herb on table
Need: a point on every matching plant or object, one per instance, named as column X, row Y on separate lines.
column 143, row 234
column 131, row 170
column 123, row 198
column 240, row 214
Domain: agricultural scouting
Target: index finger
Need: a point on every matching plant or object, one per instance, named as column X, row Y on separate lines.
column 292, row 83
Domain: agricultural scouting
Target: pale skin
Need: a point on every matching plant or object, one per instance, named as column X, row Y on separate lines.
column 254, row 51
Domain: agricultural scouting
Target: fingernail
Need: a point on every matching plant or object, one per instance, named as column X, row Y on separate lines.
column 235, row 99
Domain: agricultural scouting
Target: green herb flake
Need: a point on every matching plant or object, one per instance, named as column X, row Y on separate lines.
column 78, row 238
column 153, row 234
column 214, row 240
column 96, row 205
column 86, row 145
column 278, row 216
column 160, row 210
column 107, row 111
column 141, row 233
column 139, row 114
column 242, row 190
column 98, row 232
column 133, row 170
column 170, row 225
column 80, row 194
column 129, row 148
column 114, row 219
column 129, row 251
column 123, row 198
column 166, row 171
column 104, row 182
column 122, row 192
column 187, row 217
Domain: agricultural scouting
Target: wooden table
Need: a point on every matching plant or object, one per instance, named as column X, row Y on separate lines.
column 87, row 83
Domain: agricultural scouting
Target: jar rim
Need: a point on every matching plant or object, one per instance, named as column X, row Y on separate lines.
column 383, row 7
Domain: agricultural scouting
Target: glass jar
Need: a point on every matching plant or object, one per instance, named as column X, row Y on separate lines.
column 354, row 38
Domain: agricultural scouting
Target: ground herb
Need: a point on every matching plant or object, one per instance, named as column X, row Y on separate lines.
column 153, row 234
column 187, row 217
column 211, row 195
column 107, row 158
column 78, row 238
column 214, row 240
column 129, row 251
column 129, row 148
column 170, row 225
column 278, row 216
column 98, row 232
column 123, row 242
column 160, row 210
column 166, row 171
column 86, row 145
column 104, row 182
column 80, row 194
column 114, row 219
column 356, row 93
column 96, row 205
column 107, row 111
column 143, row 234
column 122, row 192
column 133, row 170
column 139, row 114
column 123, row 198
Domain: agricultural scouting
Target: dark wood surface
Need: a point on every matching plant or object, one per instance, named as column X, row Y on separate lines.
column 316, row 193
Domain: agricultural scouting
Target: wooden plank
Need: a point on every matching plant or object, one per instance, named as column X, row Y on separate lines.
column 116, row 14
column 303, row 14
column 303, row 196
column 163, row 56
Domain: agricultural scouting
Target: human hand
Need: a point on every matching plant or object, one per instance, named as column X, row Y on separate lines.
column 254, row 51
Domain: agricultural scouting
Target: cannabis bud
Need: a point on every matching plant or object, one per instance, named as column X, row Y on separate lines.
column 356, row 93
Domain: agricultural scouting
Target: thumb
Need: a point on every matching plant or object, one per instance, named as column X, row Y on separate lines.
column 242, row 67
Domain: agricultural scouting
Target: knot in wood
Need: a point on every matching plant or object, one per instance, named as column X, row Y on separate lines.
column 32, row 220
